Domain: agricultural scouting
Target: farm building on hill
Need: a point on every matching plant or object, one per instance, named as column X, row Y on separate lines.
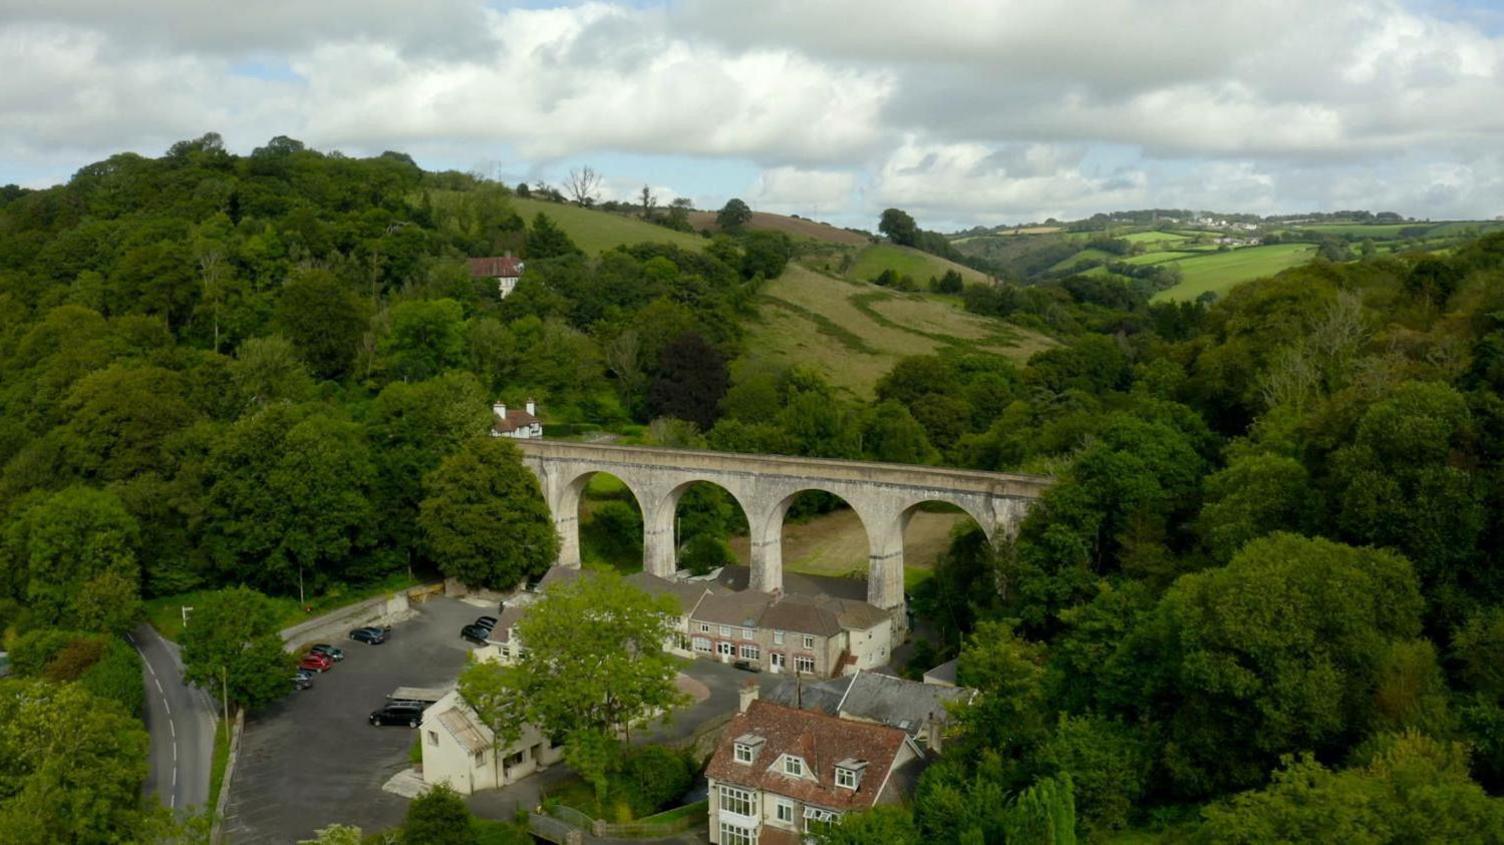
column 505, row 269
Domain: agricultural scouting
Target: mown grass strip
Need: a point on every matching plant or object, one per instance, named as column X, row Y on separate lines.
column 863, row 303
column 824, row 325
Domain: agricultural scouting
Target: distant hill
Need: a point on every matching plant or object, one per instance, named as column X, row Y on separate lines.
column 794, row 227
column 853, row 332
column 598, row 231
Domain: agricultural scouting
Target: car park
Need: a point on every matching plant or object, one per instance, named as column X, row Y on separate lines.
column 316, row 663
column 409, row 713
column 302, row 679
column 370, row 635
column 329, row 651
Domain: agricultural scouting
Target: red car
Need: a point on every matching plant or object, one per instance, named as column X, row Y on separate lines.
column 315, row 662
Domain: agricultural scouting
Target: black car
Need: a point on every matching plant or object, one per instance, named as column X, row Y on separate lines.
column 746, row 666
column 369, row 636
column 302, row 680
column 487, row 622
column 479, row 633
column 329, row 651
column 409, row 713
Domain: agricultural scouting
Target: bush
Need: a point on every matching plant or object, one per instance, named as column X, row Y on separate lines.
column 35, row 649
column 438, row 817
column 705, row 552
column 652, row 778
column 117, row 677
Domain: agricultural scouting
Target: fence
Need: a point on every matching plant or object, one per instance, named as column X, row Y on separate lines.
column 678, row 820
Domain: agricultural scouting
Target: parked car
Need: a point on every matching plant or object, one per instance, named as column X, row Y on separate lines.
column 316, row 662
column 746, row 666
column 487, row 622
column 302, row 679
column 479, row 633
column 370, row 635
column 408, row 713
column 329, row 651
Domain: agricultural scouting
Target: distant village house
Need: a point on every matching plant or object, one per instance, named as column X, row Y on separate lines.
column 514, row 422
column 505, row 269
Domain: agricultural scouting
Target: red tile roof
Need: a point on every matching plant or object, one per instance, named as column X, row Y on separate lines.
column 821, row 740
column 505, row 266
column 514, row 420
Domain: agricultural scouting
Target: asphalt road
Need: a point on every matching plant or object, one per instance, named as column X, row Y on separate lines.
column 313, row 759
column 181, row 721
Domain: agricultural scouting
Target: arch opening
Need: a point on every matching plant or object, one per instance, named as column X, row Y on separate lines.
column 948, row 567
column 821, row 544
column 710, row 528
column 610, row 521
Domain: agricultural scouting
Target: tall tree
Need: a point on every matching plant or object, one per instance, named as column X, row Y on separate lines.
column 691, row 380
column 733, row 215
column 324, row 318
column 73, row 551
column 427, row 337
column 484, row 519
column 231, row 647
column 898, row 226
column 583, row 185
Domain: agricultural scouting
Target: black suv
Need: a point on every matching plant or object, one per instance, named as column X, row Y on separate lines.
column 408, row 713
column 370, row 636
column 479, row 633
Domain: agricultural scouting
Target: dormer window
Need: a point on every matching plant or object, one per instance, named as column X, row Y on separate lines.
column 745, row 748
column 793, row 766
column 849, row 773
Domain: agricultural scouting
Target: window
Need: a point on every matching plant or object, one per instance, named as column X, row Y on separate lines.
column 784, row 809
column 816, row 819
column 793, row 766
column 738, row 801
column 750, row 652
column 725, row 630
column 804, row 663
column 704, row 627
column 433, row 737
column 846, row 778
column 723, row 649
column 809, row 642
column 735, row 835
column 777, row 638
column 744, row 753
column 702, row 644
column 480, row 759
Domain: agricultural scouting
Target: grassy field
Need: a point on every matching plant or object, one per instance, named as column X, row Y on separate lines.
column 906, row 261
column 1220, row 271
column 1377, row 231
column 854, row 333
column 794, row 227
column 598, row 231
column 1152, row 237
column 166, row 615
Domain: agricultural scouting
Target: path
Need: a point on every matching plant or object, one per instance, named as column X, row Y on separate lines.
column 181, row 721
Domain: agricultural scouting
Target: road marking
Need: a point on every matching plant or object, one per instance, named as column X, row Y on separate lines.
column 158, row 682
column 172, row 726
column 174, row 759
column 167, row 706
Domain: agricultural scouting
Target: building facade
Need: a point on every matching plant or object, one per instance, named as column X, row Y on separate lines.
column 460, row 751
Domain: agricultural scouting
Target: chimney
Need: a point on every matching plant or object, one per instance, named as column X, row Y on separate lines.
column 500, row 408
column 532, row 408
column 749, row 693
column 932, row 731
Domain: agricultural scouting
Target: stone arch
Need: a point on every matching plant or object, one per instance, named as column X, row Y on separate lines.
column 565, row 506
column 765, row 528
column 660, row 551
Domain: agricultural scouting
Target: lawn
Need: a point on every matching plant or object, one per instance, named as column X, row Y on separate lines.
column 905, row 261
column 598, row 231
column 1377, row 231
column 854, row 333
column 166, row 615
column 1220, row 271
column 1084, row 255
column 1151, row 237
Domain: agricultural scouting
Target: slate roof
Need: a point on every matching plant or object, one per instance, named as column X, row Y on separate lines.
column 742, row 608
column 510, row 615
column 687, row 593
column 496, row 266
column 821, row 741
column 470, row 734
column 559, row 574
column 897, row 702
column 823, row 696
column 944, row 674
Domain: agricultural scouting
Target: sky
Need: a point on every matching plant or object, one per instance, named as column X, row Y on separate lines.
column 962, row 113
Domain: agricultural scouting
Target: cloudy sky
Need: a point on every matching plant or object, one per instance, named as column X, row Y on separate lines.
column 961, row 112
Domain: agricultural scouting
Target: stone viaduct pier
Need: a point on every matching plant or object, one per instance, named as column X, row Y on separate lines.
column 883, row 496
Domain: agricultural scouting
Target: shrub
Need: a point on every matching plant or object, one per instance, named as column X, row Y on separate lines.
column 705, row 552
column 653, row 777
column 35, row 649
column 117, row 677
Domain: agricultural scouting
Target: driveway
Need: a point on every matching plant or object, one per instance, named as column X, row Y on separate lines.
column 181, row 722
column 313, row 759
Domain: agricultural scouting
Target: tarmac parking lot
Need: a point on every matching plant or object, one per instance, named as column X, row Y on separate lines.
column 313, row 759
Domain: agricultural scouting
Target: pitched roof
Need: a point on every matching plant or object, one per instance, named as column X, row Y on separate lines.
column 502, row 633
column 824, row 696
column 504, row 266
column 514, row 420
column 688, row 594
column 559, row 575
column 469, row 733
column 822, row 615
column 897, row 702
column 944, row 674
column 821, row 741
column 742, row 607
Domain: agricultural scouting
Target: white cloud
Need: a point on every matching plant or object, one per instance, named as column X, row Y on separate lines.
column 978, row 109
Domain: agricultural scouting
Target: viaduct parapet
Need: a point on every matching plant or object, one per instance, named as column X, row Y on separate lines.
column 883, row 496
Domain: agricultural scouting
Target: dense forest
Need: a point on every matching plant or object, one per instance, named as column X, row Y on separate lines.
column 1264, row 600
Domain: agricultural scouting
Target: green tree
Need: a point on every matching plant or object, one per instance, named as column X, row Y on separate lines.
column 438, row 816
column 324, row 319
column 427, row 337
column 335, row 834
column 898, row 226
column 1256, row 495
column 593, row 665
column 267, row 369
column 484, row 519
column 890, row 433
column 546, row 240
column 73, row 550
column 120, row 420
column 1108, row 764
column 691, row 380
column 231, row 646
column 71, row 766
column 733, row 215
column 889, row 825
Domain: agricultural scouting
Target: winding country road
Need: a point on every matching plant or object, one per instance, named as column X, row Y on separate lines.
column 181, row 720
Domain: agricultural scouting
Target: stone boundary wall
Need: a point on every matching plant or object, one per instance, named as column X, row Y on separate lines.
column 216, row 832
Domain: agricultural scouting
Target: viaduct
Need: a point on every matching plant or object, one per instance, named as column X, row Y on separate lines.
column 883, row 496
